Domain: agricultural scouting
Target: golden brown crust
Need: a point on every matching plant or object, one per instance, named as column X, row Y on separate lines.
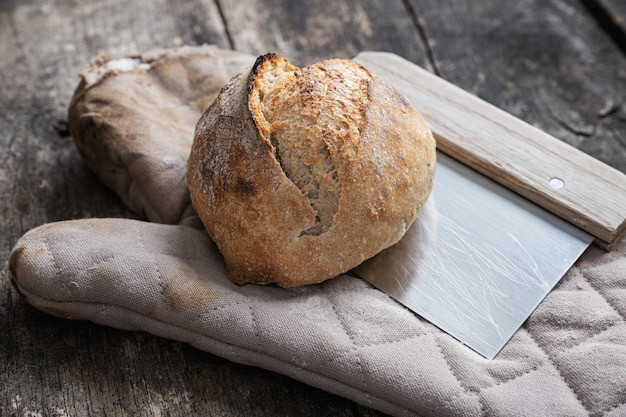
column 302, row 174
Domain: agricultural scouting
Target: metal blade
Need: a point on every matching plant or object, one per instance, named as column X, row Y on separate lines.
column 478, row 260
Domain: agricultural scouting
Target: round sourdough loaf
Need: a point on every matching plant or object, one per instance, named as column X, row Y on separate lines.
column 301, row 174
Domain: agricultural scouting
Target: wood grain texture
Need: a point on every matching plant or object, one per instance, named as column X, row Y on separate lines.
column 515, row 154
column 546, row 62
column 311, row 30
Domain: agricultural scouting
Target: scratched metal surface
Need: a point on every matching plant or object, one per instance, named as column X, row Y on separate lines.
column 478, row 260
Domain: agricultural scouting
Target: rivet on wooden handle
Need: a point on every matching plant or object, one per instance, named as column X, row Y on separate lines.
column 545, row 170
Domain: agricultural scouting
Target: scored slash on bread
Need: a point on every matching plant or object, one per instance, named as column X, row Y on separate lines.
column 302, row 174
column 307, row 131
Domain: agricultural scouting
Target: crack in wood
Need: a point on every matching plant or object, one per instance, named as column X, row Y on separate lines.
column 430, row 57
column 608, row 22
column 220, row 10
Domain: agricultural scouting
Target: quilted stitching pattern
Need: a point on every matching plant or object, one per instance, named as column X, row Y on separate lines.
column 343, row 335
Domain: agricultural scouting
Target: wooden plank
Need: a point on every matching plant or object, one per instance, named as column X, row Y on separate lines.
column 546, row 62
column 50, row 366
column 551, row 173
column 311, row 30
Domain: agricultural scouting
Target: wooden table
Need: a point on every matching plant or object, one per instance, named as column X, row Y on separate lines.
column 558, row 64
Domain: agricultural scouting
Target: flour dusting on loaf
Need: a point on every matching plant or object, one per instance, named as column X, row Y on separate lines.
column 301, row 174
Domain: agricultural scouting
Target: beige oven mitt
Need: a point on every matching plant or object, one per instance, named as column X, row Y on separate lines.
column 132, row 121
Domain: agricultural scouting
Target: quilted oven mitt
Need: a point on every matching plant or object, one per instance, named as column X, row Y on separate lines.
column 133, row 120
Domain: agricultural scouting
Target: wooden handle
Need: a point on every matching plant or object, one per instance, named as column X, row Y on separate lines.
column 545, row 170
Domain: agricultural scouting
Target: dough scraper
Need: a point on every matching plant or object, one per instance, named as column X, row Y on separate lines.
column 512, row 209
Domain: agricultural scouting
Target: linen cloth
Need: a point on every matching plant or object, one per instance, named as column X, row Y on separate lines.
column 343, row 336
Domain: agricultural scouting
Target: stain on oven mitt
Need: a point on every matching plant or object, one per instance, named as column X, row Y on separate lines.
column 343, row 335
